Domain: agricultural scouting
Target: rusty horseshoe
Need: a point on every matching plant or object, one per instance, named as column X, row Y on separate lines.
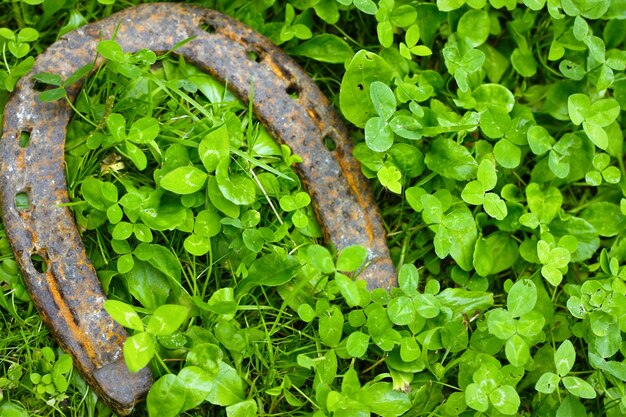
column 65, row 288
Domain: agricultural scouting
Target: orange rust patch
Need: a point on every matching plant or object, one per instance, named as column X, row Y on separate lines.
column 68, row 318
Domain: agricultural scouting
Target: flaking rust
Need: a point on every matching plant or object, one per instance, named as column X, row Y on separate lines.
column 64, row 287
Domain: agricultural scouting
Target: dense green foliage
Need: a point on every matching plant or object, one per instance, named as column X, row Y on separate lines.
column 492, row 131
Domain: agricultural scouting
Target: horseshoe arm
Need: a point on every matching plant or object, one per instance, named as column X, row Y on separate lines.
column 66, row 291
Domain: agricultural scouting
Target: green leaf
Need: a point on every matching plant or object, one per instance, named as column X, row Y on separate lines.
column 48, row 78
column 219, row 201
column 578, row 106
column 247, row 408
column 167, row 319
column 539, row 140
column 295, row 201
column 111, row 50
column 166, row 397
column 522, row 297
column 383, row 99
column 138, row 351
column 507, row 154
column 501, row 323
column 495, row 206
column 505, row 399
column 389, row 177
column 408, row 279
column 270, row 270
column 401, row 311
column 579, row 387
column 543, row 203
column 493, row 96
column 236, row 188
column 571, row 407
column 524, row 62
column 184, row 180
column 486, row 174
column 143, row 130
column 383, row 400
column 357, row 344
column 351, row 258
column 227, row 387
column 354, row 96
column 366, row 6
column 331, row 327
column 52, row 94
column 406, row 126
column 596, row 134
column 124, row 314
column 476, row 398
column 122, row 231
column 136, row 155
column 605, row 217
column 473, row 193
column 517, row 351
column 449, row 5
column 214, row 147
column 348, row 289
column 197, row 245
column 98, row 194
column 451, row 160
column 27, row 34
column 207, row 223
column 474, row 27
column 325, row 48
column 378, row 134
column 197, row 385
column 603, row 112
column 564, row 358
column 321, row 259
column 547, row 383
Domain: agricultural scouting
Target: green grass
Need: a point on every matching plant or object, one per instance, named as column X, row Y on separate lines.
column 492, row 132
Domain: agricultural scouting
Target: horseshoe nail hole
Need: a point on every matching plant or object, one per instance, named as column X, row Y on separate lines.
column 254, row 56
column 22, row 202
column 293, row 91
column 39, row 263
column 330, row 143
column 40, row 87
column 208, row 27
column 24, row 138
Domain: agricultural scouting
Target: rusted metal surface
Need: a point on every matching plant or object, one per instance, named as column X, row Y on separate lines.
column 67, row 292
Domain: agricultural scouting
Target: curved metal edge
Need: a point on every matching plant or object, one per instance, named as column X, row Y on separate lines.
column 68, row 294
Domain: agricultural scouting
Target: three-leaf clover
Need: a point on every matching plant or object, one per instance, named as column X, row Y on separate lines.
column 140, row 348
column 477, row 192
column 594, row 117
column 18, row 42
column 564, row 359
column 143, row 131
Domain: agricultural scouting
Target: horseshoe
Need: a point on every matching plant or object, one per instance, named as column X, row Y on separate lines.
column 65, row 289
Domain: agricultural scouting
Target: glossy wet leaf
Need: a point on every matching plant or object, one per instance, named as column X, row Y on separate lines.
column 235, row 187
column 522, row 297
column 214, row 147
column 124, row 314
column 184, row 180
column 451, row 160
column 321, row 259
column 138, row 351
column 331, row 327
column 197, row 385
column 166, row 319
column 365, row 68
column 227, row 387
column 167, row 396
